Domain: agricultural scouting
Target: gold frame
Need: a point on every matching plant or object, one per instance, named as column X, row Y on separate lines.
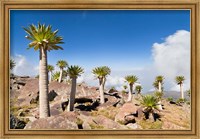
column 193, row 5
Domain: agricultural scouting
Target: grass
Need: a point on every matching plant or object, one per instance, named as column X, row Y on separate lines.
column 14, row 110
column 79, row 121
column 95, row 126
column 121, row 122
column 146, row 124
column 109, row 112
column 170, row 99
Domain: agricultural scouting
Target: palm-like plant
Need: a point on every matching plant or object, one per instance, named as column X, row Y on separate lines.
column 101, row 73
column 55, row 76
column 158, row 95
column 179, row 80
column 159, row 79
column 150, row 103
column 43, row 39
column 12, row 64
column 50, row 69
column 61, row 64
column 155, row 85
column 138, row 88
column 131, row 79
column 73, row 72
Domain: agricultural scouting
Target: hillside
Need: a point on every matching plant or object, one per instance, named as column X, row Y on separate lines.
column 115, row 113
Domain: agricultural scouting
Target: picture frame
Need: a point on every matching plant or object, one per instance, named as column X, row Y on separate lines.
column 6, row 5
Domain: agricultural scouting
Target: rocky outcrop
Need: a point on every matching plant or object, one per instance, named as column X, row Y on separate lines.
column 125, row 110
column 15, row 123
column 88, row 113
column 66, row 120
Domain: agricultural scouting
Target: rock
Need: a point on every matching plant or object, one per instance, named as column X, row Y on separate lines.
column 83, row 100
column 22, row 83
column 34, row 98
column 52, row 94
column 22, row 114
column 60, row 88
column 66, row 120
column 15, row 123
column 129, row 119
column 107, row 123
column 86, row 125
column 112, row 90
column 126, row 109
column 169, row 125
column 172, row 102
column 133, row 126
column 54, row 112
column 120, row 103
column 140, row 113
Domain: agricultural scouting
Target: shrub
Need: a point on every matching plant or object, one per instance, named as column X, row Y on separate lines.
column 180, row 100
column 149, row 102
column 158, row 95
column 170, row 99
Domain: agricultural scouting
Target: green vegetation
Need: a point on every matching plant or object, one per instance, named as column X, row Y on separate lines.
column 149, row 102
column 61, row 64
column 79, row 121
column 158, row 95
column 43, row 39
column 131, row 79
column 170, row 99
column 50, row 69
column 179, row 80
column 95, row 126
column 146, row 124
column 12, row 64
column 73, row 72
column 109, row 112
column 101, row 73
column 188, row 92
column 55, row 76
column 180, row 100
column 138, row 88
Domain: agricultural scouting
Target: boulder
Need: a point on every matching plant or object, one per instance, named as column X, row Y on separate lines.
column 126, row 109
column 112, row 90
column 133, row 126
column 15, row 123
column 139, row 113
column 52, row 94
column 107, row 123
column 66, row 120
column 129, row 119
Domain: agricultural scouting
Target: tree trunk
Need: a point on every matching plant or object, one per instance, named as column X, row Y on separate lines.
column 181, row 90
column 159, row 105
column 83, row 90
column 60, row 78
column 151, row 117
column 101, row 90
column 159, row 87
column 43, row 85
column 130, row 93
column 72, row 95
column 50, row 77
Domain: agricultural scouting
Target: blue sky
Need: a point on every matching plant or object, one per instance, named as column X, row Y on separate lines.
column 123, row 37
column 120, row 39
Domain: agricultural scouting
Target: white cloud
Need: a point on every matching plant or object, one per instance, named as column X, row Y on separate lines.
column 23, row 67
column 172, row 58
